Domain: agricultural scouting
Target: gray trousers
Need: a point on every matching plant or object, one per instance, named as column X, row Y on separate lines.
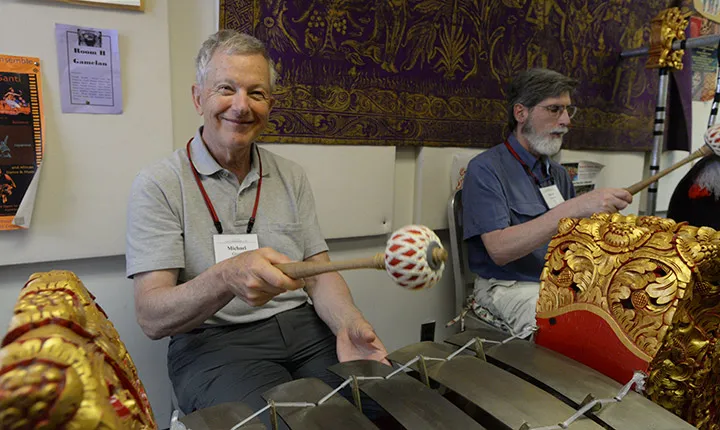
column 239, row 362
column 514, row 302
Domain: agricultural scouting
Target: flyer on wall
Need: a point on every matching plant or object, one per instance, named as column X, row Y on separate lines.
column 704, row 60
column 22, row 139
column 584, row 175
column 89, row 63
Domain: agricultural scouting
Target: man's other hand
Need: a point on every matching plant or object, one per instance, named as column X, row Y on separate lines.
column 358, row 341
column 603, row 200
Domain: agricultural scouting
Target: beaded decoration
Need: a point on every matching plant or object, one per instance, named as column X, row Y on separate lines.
column 409, row 257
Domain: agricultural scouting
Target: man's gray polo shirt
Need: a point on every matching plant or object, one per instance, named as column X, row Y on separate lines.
column 169, row 226
column 498, row 193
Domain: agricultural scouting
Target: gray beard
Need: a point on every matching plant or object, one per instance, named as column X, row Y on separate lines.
column 543, row 144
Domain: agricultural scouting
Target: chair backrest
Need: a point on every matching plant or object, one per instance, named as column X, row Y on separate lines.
column 461, row 272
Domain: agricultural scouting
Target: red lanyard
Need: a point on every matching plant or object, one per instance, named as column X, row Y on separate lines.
column 522, row 163
column 208, row 203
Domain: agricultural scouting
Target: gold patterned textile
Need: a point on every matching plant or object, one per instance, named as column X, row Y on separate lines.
column 435, row 72
column 63, row 365
column 654, row 286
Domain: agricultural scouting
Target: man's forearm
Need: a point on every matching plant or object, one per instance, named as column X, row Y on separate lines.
column 164, row 310
column 333, row 301
column 515, row 242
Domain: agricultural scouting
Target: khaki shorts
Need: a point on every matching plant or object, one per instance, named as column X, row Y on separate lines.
column 513, row 302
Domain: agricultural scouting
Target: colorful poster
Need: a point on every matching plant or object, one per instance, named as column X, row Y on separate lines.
column 704, row 60
column 21, row 139
column 89, row 63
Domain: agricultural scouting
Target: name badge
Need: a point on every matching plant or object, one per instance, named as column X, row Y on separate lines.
column 552, row 196
column 230, row 245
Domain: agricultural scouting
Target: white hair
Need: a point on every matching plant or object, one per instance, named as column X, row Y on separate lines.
column 231, row 42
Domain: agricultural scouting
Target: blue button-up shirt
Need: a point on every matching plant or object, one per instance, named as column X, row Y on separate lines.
column 499, row 193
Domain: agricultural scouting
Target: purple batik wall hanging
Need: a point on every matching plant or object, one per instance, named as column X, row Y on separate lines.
column 434, row 72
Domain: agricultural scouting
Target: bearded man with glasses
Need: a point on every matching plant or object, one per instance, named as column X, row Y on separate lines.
column 514, row 195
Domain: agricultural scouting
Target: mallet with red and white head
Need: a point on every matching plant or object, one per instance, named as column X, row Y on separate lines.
column 414, row 258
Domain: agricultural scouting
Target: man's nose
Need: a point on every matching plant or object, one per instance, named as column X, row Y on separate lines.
column 241, row 102
column 564, row 119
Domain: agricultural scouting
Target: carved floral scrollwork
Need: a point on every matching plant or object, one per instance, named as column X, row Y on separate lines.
column 668, row 26
column 658, row 281
column 63, row 365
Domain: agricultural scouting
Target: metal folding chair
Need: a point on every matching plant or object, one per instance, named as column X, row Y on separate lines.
column 462, row 274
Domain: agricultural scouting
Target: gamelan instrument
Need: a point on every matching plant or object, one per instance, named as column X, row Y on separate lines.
column 627, row 338
column 63, row 365
column 623, row 294
column 478, row 379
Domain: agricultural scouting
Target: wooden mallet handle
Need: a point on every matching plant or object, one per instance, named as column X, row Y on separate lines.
column 304, row 269
column 702, row 152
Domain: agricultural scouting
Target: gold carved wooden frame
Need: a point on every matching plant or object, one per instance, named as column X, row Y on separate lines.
column 137, row 5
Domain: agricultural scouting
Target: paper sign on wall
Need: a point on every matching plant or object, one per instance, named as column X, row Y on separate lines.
column 89, row 63
column 21, row 139
column 584, row 175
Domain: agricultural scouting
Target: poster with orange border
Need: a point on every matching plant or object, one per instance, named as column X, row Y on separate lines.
column 22, row 139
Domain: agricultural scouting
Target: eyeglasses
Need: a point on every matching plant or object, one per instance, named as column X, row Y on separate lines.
column 557, row 110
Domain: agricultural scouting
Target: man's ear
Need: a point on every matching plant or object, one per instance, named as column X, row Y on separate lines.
column 520, row 113
column 197, row 96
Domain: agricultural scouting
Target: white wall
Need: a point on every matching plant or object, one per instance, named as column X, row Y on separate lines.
column 419, row 191
column 621, row 170
column 90, row 157
column 190, row 22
